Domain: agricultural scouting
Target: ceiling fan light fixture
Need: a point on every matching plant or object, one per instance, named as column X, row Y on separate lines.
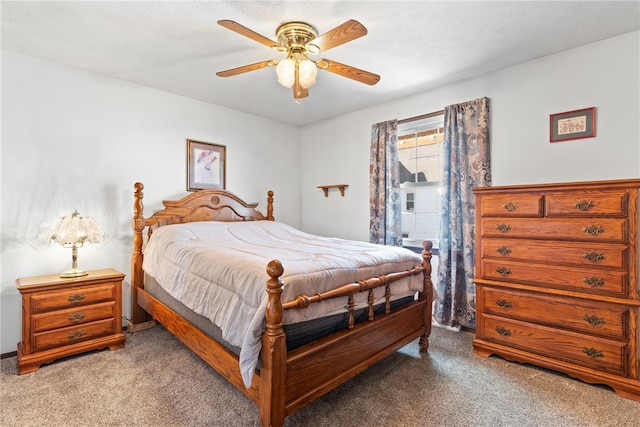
column 299, row 39
column 286, row 71
column 307, row 72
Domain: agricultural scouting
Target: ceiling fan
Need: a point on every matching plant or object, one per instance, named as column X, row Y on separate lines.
column 298, row 40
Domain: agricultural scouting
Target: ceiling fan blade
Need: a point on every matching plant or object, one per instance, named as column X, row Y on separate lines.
column 244, row 31
column 346, row 32
column 348, row 71
column 246, row 68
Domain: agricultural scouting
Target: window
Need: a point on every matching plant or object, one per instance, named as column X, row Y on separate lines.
column 420, row 156
column 409, row 199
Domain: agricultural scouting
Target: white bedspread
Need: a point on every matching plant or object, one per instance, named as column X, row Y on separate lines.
column 218, row 270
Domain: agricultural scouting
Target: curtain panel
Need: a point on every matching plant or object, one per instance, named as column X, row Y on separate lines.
column 466, row 160
column 385, row 226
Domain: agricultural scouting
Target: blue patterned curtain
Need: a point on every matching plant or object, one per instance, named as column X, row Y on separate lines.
column 466, row 158
column 385, row 225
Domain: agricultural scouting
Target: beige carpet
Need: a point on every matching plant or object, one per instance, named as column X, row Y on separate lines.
column 156, row 381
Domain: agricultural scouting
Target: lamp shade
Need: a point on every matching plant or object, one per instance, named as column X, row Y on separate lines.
column 73, row 231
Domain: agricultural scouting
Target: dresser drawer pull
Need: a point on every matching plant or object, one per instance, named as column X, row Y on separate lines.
column 593, row 256
column 592, row 352
column 503, row 228
column 593, row 281
column 503, row 303
column 503, row 331
column 583, row 205
column 503, row 250
column 75, row 298
column 503, row 271
column 76, row 317
column 594, row 320
column 593, row 230
column 76, row 335
column 510, row 206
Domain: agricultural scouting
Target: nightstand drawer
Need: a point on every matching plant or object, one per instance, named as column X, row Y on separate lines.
column 592, row 317
column 597, row 353
column 66, row 336
column 72, row 297
column 75, row 316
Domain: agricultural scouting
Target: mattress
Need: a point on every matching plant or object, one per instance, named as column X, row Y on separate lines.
column 217, row 270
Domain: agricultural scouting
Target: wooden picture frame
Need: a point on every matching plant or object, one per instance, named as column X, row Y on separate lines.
column 206, row 165
column 576, row 124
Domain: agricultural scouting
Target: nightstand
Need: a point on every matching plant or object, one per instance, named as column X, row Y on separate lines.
column 66, row 316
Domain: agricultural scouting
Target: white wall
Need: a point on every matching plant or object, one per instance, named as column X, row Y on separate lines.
column 604, row 75
column 73, row 139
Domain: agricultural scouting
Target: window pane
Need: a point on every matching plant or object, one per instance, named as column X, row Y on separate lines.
column 420, row 151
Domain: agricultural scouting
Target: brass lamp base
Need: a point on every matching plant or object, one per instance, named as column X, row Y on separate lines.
column 74, row 272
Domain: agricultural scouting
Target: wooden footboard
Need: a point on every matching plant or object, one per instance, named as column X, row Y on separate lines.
column 287, row 381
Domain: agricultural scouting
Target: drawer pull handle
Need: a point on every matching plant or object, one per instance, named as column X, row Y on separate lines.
column 75, row 298
column 503, row 303
column 510, row 206
column 503, row 271
column 76, row 335
column 583, row 205
column 503, row 228
column 592, row 352
column 594, row 282
column 503, row 331
column 593, row 256
column 503, row 250
column 594, row 320
column 76, row 317
column 593, row 230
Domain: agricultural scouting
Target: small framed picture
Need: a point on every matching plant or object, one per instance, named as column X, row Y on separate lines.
column 576, row 124
column 205, row 165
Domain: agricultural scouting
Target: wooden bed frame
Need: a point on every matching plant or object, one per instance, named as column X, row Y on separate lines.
column 287, row 380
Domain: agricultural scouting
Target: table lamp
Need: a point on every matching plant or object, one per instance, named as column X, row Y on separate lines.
column 73, row 231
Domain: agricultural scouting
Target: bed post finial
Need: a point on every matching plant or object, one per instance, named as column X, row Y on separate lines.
column 270, row 205
column 138, row 315
column 427, row 293
column 274, row 352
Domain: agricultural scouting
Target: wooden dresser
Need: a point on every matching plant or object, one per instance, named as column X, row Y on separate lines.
column 557, row 279
column 62, row 317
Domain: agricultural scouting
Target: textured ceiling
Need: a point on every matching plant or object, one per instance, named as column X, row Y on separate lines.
column 177, row 46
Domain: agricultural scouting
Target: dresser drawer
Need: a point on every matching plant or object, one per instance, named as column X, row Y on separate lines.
column 592, row 352
column 579, row 203
column 592, row 317
column 66, row 336
column 587, row 229
column 510, row 205
column 591, row 281
column 567, row 253
column 73, row 316
column 73, row 297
